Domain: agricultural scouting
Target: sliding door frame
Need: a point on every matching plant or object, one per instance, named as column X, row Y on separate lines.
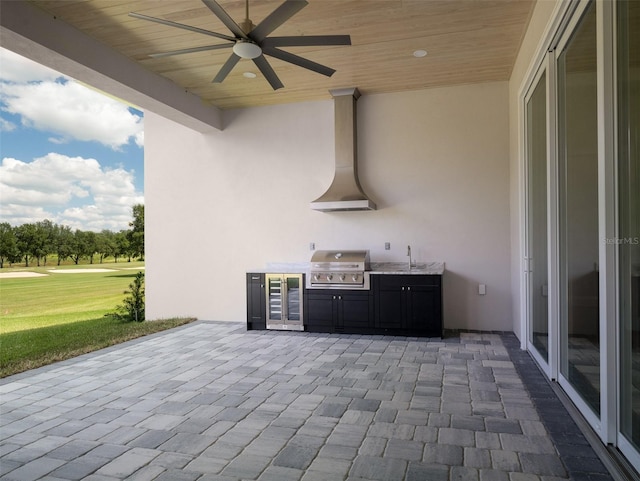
column 608, row 220
column 565, row 19
column 626, row 447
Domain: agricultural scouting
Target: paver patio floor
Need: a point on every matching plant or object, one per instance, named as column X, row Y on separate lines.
column 211, row 401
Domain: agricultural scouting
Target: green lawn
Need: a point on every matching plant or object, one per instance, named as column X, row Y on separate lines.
column 31, row 348
column 62, row 315
column 54, row 299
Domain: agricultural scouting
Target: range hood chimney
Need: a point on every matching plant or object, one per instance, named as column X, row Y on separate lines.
column 345, row 192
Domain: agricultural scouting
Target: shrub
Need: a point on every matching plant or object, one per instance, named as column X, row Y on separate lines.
column 132, row 308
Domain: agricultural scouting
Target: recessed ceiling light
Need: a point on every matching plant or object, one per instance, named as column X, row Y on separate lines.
column 249, row 75
column 420, row 53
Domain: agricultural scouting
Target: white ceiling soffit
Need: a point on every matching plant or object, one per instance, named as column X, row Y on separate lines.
column 30, row 32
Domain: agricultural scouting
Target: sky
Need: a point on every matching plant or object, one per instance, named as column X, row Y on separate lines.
column 68, row 153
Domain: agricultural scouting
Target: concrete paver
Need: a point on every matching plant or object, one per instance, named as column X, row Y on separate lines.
column 211, row 401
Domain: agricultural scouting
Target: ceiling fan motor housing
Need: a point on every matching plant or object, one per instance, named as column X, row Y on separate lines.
column 246, row 49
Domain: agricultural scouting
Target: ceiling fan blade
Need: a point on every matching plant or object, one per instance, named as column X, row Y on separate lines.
column 225, row 18
column 299, row 61
column 306, row 41
column 276, row 18
column 226, row 68
column 268, row 72
column 191, row 50
column 182, row 26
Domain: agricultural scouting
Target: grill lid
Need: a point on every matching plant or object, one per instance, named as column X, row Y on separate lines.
column 340, row 260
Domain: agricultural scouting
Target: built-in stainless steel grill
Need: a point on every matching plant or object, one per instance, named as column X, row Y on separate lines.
column 339, row 270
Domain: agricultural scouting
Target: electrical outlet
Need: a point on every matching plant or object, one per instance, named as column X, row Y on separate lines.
column 312, row 246
column 482, row 289
column 387, row 246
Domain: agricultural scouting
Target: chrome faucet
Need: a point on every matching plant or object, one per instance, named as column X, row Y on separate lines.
column 409, row 254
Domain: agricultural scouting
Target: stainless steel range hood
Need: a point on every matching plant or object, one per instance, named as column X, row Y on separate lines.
column 345, row 192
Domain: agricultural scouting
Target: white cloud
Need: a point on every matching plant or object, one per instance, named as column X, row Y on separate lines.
column 46, row 187
column 140, row 138
column 16, row 214
column 72, row 111
column 16, row 68
column 51, row 102
column 6, row 126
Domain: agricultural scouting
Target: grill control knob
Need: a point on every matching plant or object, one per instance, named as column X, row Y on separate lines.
column 316, row 277
column 354, row 277
column 342, row 276
column 329, row 277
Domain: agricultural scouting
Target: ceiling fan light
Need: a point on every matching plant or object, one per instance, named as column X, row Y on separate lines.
column 246, row 49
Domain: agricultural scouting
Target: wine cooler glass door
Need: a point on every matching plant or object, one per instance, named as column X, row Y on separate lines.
column 274, row 298
column 293, row 294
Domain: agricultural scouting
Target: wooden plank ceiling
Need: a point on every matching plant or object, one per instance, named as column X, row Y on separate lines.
column 467, row 41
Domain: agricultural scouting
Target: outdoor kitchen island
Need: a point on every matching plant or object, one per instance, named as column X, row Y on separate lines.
column 398, row 301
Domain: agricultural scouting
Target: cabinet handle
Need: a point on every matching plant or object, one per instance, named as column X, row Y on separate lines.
column 403, row 288
column 409, row 288
column 334, row 297
column 340, row 297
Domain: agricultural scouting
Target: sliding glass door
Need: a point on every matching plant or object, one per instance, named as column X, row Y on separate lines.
column 537, row 259
column 578, row 211
column 628, row 75
column 581, row 239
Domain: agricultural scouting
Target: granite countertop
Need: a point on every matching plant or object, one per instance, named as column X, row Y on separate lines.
column 420, row 268
column 283, row 268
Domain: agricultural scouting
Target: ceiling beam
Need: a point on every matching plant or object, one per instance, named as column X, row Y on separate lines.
column 32, row 33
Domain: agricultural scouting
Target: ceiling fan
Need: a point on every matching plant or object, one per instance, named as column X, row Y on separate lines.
column 252, row 42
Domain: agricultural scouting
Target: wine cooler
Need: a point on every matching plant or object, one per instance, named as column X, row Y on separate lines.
column 284, row 301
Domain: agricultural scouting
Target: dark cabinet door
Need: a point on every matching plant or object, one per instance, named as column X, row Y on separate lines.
column 334, row 310
column 390, row 300
column 319, row 311
column 409, row 304
column 353, row 310
column 390, row 308
column 256, row 307
column 424, row 310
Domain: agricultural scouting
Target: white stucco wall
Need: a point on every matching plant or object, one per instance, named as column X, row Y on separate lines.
column 435, row 161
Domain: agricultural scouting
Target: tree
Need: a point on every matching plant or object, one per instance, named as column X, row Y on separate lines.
column 121, row 240
column 91, row 240
column 35, row 240
column 136, row 234
column 80, row 246
column 45, row 240
column 27, row 240
column 8, row 244
column 106, row 244
column 132, row 308
column 64, row 242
